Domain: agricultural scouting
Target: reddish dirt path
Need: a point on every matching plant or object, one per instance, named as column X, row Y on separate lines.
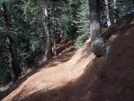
column 58, row 72
column 80, row 77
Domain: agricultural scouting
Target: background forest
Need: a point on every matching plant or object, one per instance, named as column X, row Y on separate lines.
column 30, row 29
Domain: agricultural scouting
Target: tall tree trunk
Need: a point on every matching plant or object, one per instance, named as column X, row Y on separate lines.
column 48, row 51
column 54, row 21
column 9, row 44
column 107, row 13
column 115, row 7
column 99, row 47
column 54, row 41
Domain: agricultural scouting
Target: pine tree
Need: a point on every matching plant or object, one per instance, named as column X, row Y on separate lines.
column 107, row 13
column 9, row 45
column 82, row 22
column 98, row 46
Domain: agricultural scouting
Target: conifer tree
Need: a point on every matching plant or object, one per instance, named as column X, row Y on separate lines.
column 9, row 45
column 107, row 13
column 98, row 46
column 82, row 22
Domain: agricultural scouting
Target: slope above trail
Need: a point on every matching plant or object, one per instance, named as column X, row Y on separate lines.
column 80, row 77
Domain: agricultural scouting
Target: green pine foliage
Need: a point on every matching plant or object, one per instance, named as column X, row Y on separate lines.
column 83, row 23
column 8, row 1
column 66, row 19
column 122, row 9
column 69, row 9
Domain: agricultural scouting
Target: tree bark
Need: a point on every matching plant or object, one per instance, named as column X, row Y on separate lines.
column 107, row 13
column 48, row 51
column 54, row 21
column 99, row 47
column 9, row 44
column 54, row 41
column 115, row 7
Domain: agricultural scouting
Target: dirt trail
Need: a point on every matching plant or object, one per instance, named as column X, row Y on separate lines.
column 59, row 71
column 80, row 77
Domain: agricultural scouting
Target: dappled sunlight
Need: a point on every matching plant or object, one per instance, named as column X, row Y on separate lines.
column 80, row 76
column 78, row 89
column 57, row 72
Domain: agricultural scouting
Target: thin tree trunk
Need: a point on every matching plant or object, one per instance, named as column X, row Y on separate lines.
column 48, row 51
column 107, row 13
column 9, row 44
column 99, row 47
column 54, row 39
column 55, row 28
column 115, row 7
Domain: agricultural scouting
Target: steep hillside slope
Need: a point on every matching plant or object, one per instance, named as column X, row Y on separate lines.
column 59, row 71
column 81, row 76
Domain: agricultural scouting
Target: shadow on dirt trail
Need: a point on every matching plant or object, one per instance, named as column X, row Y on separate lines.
column 78, row 90
column 113, row 82
column 58, row 59
column 66, row 46
column 15, row 86
column 50, row 63
column 118, row 73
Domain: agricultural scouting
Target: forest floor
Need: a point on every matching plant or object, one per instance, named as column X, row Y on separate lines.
column 80, row 76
